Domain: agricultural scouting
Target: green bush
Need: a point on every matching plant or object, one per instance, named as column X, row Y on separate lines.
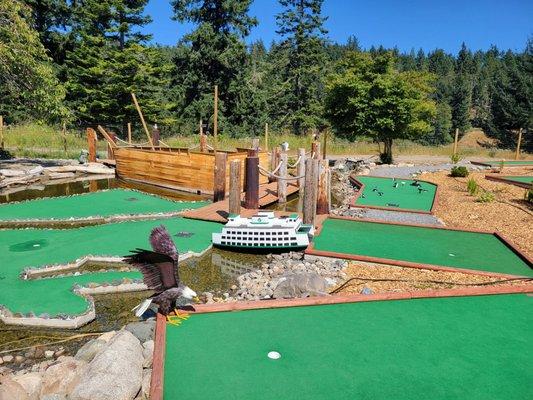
column 486, row 197
column 472, row 187
column 459, row 172
column 529, row 195
column 455, row 158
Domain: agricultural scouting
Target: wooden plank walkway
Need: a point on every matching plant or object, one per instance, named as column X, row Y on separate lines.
column 218, row 212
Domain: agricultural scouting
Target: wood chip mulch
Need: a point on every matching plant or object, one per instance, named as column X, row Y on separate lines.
column 381, row 278
column 509, row 214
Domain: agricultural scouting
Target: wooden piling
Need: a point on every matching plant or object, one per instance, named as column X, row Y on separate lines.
column 517, row 155
column 255, row 143
column 110, row 147
column 235, row 187
column 274, row 161
column 310, row 191
column 282, row 183
column 251, row 197
column 301, row 167
column 315, row 150
column 129, row 133
column 325, row 144
column 91, row 143
column 215, row 120
column 219, row 189
column 64, row 136
column 322, row 202
column 155, row 135
column 456, row 141
column 1, row 132
column 266, row 136
column 138, row 107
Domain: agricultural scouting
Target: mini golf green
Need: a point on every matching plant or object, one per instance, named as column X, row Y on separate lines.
column 520, row 179
column 396, row 193
column 516, row 163
column 102, row 204
column 21, row 248
column 443, row 348
column 441, row 247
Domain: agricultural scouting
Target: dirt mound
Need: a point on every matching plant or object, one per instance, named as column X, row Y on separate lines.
column 477, row 139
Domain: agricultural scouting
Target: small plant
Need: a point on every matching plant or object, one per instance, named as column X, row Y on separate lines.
column 528, row 196
column 492, row 152
column 486, row 197
column 472, row 187
column 459, row 172
column 455, row 158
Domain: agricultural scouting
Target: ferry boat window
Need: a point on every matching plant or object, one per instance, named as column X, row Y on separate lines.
column 294, row 244
column 261, row 233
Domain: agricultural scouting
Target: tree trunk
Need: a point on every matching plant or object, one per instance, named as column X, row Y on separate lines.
column 387, row 151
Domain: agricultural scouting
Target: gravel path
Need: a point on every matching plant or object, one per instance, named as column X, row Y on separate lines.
column 410, row 171
column 393, row 216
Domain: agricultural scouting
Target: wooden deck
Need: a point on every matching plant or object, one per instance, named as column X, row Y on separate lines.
column 218, row 212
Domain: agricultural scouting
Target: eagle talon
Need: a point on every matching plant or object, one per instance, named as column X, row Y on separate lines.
column 173, row 321
column 183, row 316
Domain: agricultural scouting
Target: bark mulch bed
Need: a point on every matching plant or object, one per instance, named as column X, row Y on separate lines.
column 509, row 214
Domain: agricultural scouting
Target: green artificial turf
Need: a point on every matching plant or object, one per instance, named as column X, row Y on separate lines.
column 37, row 247
column 381, row 192
column 450, row 248
column 99, row 204
column 519, row 179
column 476, row 348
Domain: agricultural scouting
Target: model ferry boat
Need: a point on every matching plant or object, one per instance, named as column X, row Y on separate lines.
column 264, row 231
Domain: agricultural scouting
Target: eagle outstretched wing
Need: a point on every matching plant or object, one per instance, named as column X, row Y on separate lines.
column 160, row 271
column 162, row 242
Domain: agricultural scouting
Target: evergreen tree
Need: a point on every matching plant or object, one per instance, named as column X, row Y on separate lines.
column 109, row 61
column 29, row 89
column 213, row 54
column 303, row 37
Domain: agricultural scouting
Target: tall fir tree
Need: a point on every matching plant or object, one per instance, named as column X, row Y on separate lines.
column 213, row 54
column 301, row 26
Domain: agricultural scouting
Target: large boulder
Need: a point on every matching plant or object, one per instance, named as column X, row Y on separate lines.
column 61, row 378
column 303, row 284
column 148, row 353
column 10, row 389
column 115, row 373
column 32, row 383
column 142, row 330
column 90, row 349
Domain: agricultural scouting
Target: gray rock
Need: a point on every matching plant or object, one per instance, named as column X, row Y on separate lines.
column 10, row 389
column 32, row 383
column 90, row 349
column 145, row 387
column 302, row 284
column 7, row 359
column 54, row 397
column 142, row 330
column 115, row 373
column 61, row 378
column 148, row 353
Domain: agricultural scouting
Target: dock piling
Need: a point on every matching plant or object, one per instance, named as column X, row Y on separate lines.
column 251, row 197
column 310, row 191
column 235, row 187
column 219, row 190
column 282, row 183
column 91, row 143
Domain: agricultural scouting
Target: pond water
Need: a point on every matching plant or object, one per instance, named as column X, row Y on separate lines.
column 215, row 271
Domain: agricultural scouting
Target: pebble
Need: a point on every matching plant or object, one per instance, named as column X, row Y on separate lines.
column 49, row 353
column 7, row 359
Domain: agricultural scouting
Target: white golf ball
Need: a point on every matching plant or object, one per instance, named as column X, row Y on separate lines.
column 274, row 355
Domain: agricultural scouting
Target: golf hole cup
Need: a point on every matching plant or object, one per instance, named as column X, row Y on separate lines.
column 274, row 355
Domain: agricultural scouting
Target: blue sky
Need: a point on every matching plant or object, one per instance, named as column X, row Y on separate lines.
column 426, row 24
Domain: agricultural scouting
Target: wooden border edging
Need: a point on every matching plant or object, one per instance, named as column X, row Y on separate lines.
column 158, row 364
column 361, row 186
column 504, row 179
column 400, row 263
column 158, row 368
column 497, row 164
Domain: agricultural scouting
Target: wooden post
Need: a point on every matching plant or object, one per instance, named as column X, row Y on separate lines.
column 324, row 144
column 266, row 136
column 456, row 140
column 1, row 132
column 215, row 120
column 155, row 136
column 517, row 155
column 301, row 168
column 322, row 202
column 91, row 142
column 274, row 161
column 310, row 191
column 315, row 150
column 110, row 147
column 219, row 184
column 282, row 183
column 129, row 133
column 142, row 120
column 64, row 136
column 235, row 187
column 255, row 143
column 251, row 197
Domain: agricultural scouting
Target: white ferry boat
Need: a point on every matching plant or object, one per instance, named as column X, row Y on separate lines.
column 264, row 232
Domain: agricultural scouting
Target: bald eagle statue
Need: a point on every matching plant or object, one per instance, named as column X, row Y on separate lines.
column 160, row 273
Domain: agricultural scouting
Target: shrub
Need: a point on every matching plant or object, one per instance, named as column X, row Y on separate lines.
column 529, row 195
column 472, row 187
column 455, row 158
column 385, row 158
column 460, row 172
column 485, row 197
